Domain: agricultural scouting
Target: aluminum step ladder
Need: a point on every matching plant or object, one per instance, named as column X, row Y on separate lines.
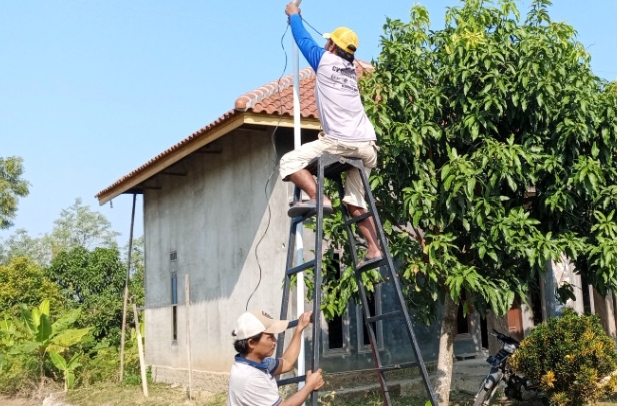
column 331, row 167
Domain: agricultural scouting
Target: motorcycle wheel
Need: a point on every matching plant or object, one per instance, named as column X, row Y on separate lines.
column 483, row 397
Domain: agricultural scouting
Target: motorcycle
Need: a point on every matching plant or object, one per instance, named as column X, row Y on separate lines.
column 516, row 386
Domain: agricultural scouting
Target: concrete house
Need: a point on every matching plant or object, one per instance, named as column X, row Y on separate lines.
column 215, row 215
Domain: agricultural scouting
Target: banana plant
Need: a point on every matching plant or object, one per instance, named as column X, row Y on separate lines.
column 42, row 336
column 67, row 368
column 8, row 334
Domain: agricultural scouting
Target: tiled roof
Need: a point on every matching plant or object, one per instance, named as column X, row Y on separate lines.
column 277, row 97
column 274, row 98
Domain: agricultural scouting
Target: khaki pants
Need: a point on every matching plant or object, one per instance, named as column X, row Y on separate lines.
column 298, row 159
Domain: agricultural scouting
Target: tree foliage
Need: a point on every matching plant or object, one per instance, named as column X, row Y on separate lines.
column 21, row 244
column 22, row 281
column 498, row 146
column 93, row 281
column 77, row 226
column 12, row 187
column 137, row 271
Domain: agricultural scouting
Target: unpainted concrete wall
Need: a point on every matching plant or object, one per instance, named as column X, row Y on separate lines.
column 229, row 238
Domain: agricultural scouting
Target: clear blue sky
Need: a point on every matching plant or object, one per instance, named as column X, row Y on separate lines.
column 92, row 89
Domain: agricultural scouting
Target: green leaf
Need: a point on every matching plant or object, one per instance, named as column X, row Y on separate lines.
column 44, row 307
column 69, row 337
column 74, row 362
column 44, row 330
column 58, row 360
column 66, row 321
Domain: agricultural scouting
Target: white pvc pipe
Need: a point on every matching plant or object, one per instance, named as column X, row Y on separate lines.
column 299, row 228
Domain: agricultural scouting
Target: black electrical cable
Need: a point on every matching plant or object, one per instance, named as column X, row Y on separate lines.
column 273, row 141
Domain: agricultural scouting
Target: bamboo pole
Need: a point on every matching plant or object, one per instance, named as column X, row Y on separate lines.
column 187, row 306
column 126, row 290
column 140, row 348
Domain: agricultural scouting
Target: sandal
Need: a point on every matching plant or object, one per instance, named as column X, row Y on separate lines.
column 303, row 207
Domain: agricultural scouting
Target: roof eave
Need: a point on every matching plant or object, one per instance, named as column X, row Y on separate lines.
column 235, row 120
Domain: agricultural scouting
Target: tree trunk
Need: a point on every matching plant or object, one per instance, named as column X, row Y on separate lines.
column 446, row 352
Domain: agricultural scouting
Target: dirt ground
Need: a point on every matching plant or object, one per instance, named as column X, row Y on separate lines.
column 4, row 401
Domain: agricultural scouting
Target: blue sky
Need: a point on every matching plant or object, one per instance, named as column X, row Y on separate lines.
column 92, row 89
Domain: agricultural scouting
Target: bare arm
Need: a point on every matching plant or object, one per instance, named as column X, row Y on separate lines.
column 290, row 356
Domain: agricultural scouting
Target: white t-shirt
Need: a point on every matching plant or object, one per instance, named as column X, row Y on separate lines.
column 252, row 384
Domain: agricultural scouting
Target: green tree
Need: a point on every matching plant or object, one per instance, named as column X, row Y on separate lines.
column 78, row 226
column 22, row 281
column 20, row 244
column 93, row 281
column 12, row 187
column 498, row 154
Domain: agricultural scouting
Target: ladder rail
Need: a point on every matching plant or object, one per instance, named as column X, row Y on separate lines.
column 291, row 249
column 317, row 277
column 398, row 288
column 363, row 298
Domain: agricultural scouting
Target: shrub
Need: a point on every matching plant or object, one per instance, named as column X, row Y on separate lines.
column 568, row 357
column 102, row 364
column 19, row 374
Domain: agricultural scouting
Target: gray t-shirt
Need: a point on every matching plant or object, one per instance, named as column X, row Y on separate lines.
column 338, row 101
column 252, row 384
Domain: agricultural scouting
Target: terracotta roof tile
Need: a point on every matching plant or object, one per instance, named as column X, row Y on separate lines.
column 277, row 97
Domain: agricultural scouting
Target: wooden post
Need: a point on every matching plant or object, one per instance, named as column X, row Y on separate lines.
column 140, row 348
column 126, row 291
column 187, row 306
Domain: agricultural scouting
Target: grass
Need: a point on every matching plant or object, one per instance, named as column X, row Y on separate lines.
column 166, row 395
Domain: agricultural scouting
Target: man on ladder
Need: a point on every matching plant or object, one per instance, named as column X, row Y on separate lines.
column 347, row 130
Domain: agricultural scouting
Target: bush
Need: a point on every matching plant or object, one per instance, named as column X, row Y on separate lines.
column 19, row 374
column 568, row 357
column 102, row 364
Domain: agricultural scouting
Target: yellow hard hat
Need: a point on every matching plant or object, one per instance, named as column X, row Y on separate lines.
column 345, row 38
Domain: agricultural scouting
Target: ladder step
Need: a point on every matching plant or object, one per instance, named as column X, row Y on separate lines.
column 293, row 379
column 397, row 366
column 300, row 268
column 384, row 316
column 359, row 218
column 372, row 265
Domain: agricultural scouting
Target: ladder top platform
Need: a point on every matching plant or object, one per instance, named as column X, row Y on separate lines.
column 334, row 164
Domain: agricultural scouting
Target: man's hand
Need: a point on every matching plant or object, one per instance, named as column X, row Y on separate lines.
column 304, row 320
column 292, row 8
column 314, row 380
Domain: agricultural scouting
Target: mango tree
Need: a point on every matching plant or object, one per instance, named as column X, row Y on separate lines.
column 92, row 281
column 498, row 148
